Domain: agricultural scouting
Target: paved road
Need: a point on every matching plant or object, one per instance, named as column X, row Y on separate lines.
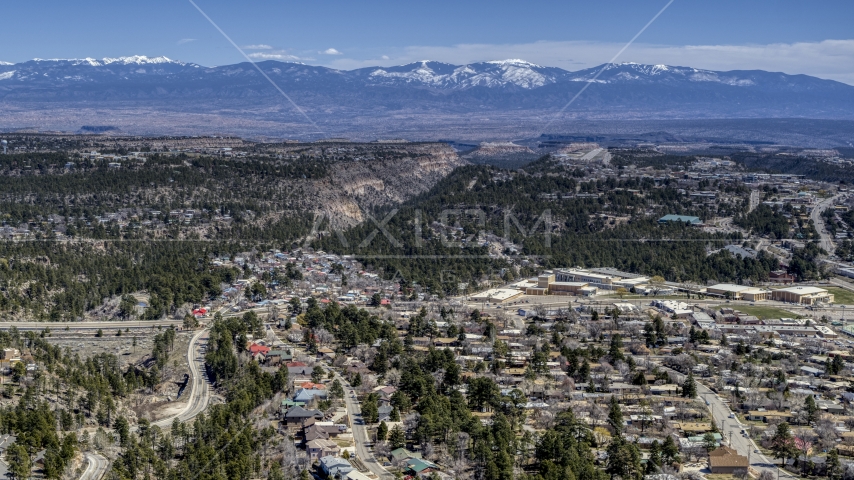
column 200, row 390
column 826, row 241
column 755, row 197
column 199, row 398
column 131, row 324
column 357, row 425
column 96, row 466
column 360, row 434
column 731, row 430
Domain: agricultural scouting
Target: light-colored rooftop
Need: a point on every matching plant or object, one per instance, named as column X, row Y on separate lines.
column 802, row 290
column 729, row 287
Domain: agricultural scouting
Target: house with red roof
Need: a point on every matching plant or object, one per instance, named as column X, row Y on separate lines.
column 258, row 352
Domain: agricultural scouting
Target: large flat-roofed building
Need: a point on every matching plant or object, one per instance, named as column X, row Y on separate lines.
column 567, row 288
column 826, row 332
column 542, row 287
column 497, row 295
column 802, row 295
column 738, row 292
column 578, row 275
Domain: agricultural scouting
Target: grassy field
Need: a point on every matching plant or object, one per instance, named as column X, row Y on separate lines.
column 840, row 295
column 761, row 312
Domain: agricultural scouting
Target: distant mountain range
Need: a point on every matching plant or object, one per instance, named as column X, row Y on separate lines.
column 622, row 91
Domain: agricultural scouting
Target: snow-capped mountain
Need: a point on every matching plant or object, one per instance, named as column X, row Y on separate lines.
column 61, row 71
column 503, row 73
column 626, row 90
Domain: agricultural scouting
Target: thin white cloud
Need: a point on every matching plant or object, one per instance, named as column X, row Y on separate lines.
column 330, row 51
column 273, row 56
column 830, row 59
column 257, row 47
column 186, row 40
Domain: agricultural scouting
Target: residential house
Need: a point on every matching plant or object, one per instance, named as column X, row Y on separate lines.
column 356, row 475
column 298, row 368
column 258, row 352
column 815, row 372
column 767, row 415
column 399, row 454
column 385, row 413
column 296, row 415
column 669, row 389
column 276, row 357
column 307, row 394
column 334, row 466
column 418, row 466
column 727, row 461
column 321, row 448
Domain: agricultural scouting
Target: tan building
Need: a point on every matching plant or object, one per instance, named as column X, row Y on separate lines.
column 803, row 295
column 566, row 288
column 738, row 292
column 542, row 288
column 496, row 295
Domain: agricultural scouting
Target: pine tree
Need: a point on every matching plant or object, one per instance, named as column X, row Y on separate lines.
column 653, row 464
column 19, row 461
column 709, row 441
column 689, row 388
column 782, row 443
column 615, row 416
column 382, row 432
column 336, row 390
column 396, row 438
column 624, row 460
column 614, row 349
column 834, row 468
column 810, row 408
column 669, row 451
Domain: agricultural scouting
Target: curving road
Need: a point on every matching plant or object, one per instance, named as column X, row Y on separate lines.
column 200, row 392
column 96, row 466
column 199, row 398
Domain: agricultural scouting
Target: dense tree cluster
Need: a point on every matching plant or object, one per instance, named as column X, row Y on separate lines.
column 564, row 231
column 65, row 280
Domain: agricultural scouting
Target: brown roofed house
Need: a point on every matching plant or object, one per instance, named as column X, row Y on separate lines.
column 726, row 460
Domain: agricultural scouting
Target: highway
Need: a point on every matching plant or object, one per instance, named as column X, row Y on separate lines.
column 123, row 324
column 200, row 391
column 199, row 398
column 96, row 467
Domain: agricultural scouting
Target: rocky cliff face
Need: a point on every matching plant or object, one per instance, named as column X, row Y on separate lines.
column 356, row 187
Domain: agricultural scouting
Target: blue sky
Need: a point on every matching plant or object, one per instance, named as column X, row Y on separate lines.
column 792, row 36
